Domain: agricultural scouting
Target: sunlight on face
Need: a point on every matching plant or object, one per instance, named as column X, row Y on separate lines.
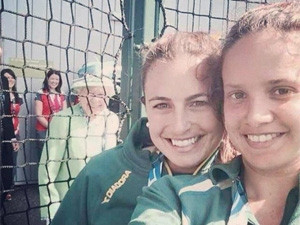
column 53, row 81
column 93, row 100
column 261, row 75
column 182, row 123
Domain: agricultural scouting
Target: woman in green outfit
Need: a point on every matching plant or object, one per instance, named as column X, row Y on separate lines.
column 261, row 83
column 74, row 136
column 180, row 136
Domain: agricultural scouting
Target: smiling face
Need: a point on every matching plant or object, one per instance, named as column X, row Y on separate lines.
column 182, row 124
column 261, row 75
column 11, row 80
column 93, row 101
column 53, row 81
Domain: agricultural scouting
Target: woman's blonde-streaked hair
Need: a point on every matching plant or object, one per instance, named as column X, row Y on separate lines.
column 171, row 45
column 282, row 17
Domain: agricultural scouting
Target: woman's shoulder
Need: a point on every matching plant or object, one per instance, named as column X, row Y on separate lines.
column 39, row 93
column 113, row 117
column 106, row 163
column 107, row 157
column 113, row 121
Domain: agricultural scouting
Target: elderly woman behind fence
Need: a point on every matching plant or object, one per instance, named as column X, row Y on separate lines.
column 75, row 135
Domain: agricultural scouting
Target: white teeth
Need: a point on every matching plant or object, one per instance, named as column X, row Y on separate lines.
column 184, row 143
column 262, row 137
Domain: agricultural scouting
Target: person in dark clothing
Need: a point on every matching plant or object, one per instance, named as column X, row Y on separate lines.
column 8, row 142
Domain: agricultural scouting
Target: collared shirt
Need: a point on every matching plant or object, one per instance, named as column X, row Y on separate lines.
column 157, row 166
column 218, row 197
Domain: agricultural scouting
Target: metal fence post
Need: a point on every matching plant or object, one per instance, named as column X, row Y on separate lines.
column 140, row 17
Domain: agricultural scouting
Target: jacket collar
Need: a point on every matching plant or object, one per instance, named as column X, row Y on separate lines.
column 221, row 172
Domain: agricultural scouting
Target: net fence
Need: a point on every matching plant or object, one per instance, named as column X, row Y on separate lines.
column 76, row 38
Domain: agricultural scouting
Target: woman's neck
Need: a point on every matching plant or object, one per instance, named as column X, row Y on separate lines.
column 12, row 96
column 179, row 170
column 51, row 90
column 264, row 185
column 267, row 193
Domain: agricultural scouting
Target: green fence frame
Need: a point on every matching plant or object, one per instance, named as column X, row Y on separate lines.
column 142, row 18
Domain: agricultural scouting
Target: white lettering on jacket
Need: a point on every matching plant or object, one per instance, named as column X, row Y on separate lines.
column 110, row 192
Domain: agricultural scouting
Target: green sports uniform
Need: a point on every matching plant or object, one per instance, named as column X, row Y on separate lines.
column 106, row 190
column 215, row 198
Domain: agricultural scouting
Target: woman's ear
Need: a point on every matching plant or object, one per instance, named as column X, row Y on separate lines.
column 143, row 99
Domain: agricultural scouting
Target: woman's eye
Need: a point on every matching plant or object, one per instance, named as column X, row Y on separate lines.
column 161, row 106
column 238, row 95
column 282, row 91
column 198, row 103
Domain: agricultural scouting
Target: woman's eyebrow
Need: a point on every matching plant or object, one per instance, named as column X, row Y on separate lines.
column 155, row 98
column 233, row 86
column 196, row 96
column 278, row 81
column 187, row 99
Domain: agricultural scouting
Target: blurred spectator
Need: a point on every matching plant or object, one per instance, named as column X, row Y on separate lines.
column 75, row 135
column 48, row 101
column 8, row 142
column 15, row 100
column 15, row 105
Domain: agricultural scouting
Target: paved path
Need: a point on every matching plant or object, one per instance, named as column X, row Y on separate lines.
column 23, row 209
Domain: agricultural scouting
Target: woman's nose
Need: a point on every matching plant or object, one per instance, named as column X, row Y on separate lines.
column 259, row 112
column 181, row 122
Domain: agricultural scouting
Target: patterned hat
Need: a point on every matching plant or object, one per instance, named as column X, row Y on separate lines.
column 89, row 80
column 97, row 68
column 96, row 74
